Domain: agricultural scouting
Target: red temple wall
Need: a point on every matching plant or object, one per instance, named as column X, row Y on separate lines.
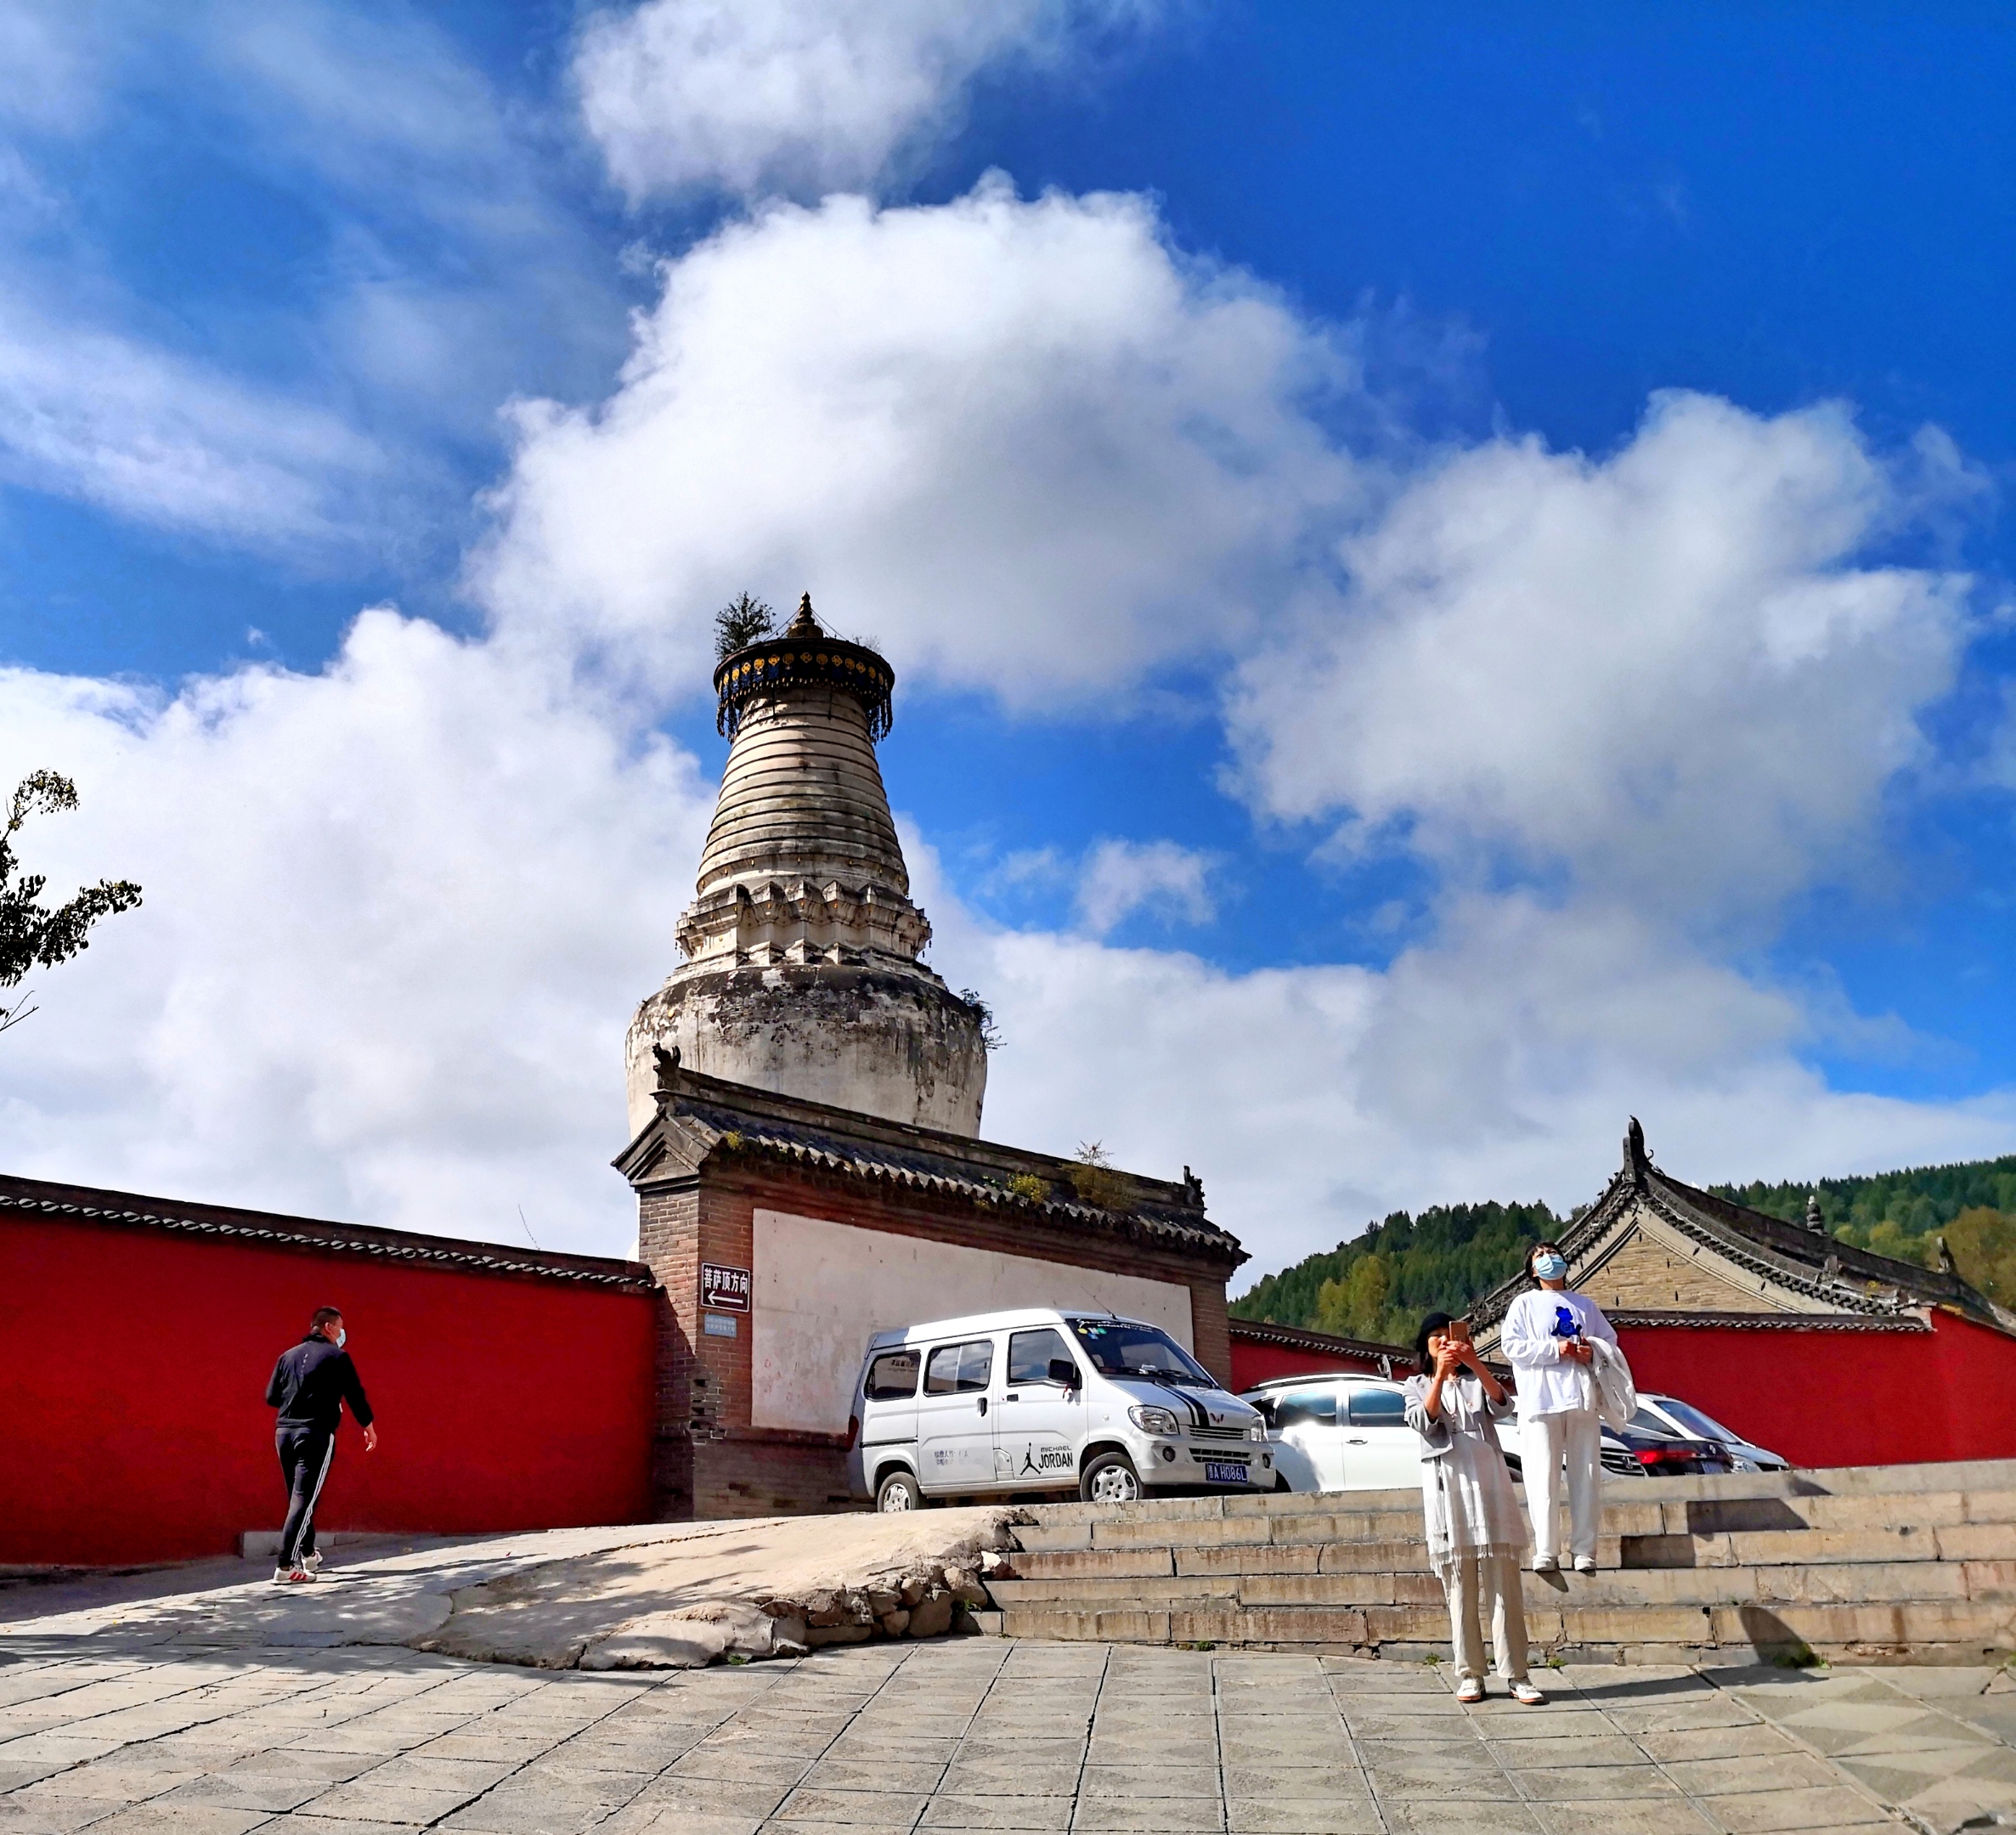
column 1256, row 1363
column 133, row 1426
column 1818, row 1397
column 1842, row 1397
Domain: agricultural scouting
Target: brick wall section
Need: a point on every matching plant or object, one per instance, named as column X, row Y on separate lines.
column 1643, row 1274
column 667, row 1243
column 713, row 1464
column 762, row 1475
column 1212, row 1326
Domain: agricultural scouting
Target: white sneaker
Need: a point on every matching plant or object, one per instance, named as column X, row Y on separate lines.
column 1546, row 1564
column 1471, row 1689
column 1585, row 1564
column 314, row 1563
column 293, row 1576
column 1525, row 1692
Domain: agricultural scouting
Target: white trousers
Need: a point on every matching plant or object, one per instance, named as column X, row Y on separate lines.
column 1546, row 1443
column 1473, row 1582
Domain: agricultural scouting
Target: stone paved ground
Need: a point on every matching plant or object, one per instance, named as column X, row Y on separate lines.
column 143, row 1739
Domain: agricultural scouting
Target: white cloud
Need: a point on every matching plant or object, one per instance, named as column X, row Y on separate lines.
column 1025, row 443
column 1620, row 711
column 1121, row 878
column 397, row 914
column 159, row 439
column 399, row 910
column 453, row 272
column 49, row 55
column 1671, row 675
column 1499, row 1060
column 803, row 97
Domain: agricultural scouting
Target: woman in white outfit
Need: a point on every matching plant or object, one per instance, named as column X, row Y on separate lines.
column 1472, row 1515
column 1546, row 1336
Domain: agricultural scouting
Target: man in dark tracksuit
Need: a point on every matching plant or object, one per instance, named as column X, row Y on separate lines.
column 310, row 1385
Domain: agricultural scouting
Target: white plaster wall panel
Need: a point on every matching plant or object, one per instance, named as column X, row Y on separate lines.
column 822, row 1289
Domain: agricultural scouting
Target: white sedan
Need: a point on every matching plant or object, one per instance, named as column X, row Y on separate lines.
column 1349, row 1433
column 1339, row 1433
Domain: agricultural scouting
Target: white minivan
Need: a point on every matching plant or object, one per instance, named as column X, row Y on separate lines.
column 1007, row 1403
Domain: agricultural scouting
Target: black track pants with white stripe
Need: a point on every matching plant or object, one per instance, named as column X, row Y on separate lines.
column 305, row 1456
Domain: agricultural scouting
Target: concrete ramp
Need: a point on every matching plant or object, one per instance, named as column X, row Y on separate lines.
column 635, row 1596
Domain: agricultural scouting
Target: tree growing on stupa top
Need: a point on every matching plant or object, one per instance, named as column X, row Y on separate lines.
column 744, row 620
column 33, row 934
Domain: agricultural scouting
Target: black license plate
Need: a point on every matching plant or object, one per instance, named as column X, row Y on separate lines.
column 1225, row 1472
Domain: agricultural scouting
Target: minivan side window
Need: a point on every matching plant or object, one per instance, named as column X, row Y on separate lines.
column 1377, row 1408
column 1030, row 1354
column 1305, row 1405
column 892, row 1377
column 959, row 1368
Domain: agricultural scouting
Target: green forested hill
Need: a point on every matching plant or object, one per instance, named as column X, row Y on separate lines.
column 1379, row 1284
column 1894, row 1213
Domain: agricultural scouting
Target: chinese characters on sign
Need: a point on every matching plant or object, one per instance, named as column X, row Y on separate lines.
column 724, row 1289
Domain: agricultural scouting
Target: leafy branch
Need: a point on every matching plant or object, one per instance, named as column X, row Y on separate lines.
column 990, row 1038
column 33, row 934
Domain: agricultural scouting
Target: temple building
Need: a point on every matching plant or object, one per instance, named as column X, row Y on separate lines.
column 802, row 971
column 1829, row 1354
column 805, row 1099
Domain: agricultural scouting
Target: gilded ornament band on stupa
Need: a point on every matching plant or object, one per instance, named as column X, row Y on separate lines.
column 789, row 662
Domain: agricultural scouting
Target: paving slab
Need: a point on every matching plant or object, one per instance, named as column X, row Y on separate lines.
column 117, row 1727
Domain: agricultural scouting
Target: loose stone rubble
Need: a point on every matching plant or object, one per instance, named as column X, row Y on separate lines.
column 784, row 1588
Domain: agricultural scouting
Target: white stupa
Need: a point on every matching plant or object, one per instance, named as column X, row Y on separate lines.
column 801, row 945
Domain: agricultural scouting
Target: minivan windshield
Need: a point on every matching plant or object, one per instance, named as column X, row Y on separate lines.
column 1119, row 1347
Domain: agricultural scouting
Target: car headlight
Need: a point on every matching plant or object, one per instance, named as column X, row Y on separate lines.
column 1157, row 1421
column 1256, row 1431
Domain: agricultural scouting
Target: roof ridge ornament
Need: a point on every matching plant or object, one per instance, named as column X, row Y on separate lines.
column 1637, row 1159
column 1814, row 1221
column 806, row 623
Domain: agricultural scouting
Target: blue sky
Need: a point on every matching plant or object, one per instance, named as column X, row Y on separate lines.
column 1447, row 567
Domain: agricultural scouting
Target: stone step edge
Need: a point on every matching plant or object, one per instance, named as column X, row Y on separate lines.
column 1920, row 1654
column 1984, row 1635
column 1970, row 1541
column 1632, row 1516
column 1883, row 1584
column 1833, row 1480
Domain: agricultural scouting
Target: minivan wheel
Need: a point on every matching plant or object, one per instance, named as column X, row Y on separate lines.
column 1110, row 1479
column 899, row 1491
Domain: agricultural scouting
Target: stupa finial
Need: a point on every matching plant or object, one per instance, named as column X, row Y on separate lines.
column 805, row 625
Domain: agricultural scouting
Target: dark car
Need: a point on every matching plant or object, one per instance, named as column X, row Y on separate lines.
column 1643, row 1448
column 1647, row 1445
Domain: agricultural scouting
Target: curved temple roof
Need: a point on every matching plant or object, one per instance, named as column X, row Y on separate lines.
column 1816, row 1274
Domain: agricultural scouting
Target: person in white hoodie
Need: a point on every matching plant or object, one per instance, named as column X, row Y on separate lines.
column 1546, row 1337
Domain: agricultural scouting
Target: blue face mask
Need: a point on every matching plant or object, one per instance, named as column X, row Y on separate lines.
column 1549, row 1267
column 342, row 1335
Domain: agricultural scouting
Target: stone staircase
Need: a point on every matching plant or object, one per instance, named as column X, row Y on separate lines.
column 1865, row 1564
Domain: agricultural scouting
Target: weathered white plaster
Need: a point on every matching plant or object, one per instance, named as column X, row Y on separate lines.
column 822, row 1289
